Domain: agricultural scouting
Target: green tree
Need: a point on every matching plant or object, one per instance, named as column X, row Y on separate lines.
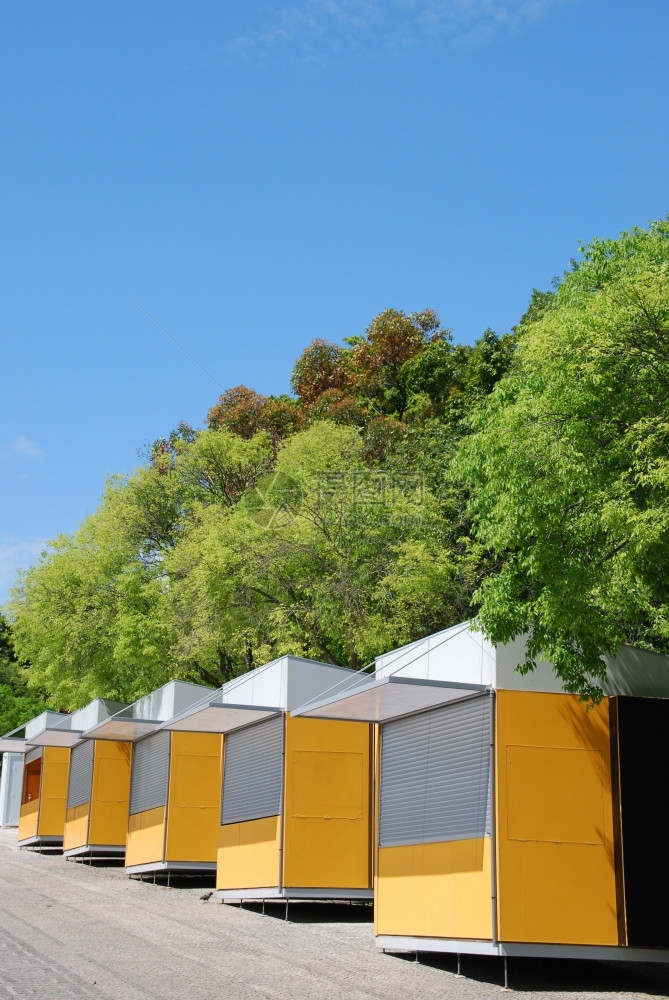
column 569, row 466
column 324, row 557
column 96, row 616
column 17, row 705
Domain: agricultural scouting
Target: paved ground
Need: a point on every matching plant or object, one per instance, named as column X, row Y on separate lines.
column 73, row 932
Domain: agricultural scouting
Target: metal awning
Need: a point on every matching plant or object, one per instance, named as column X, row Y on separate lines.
column 384, row 698
column 55, row 737
column 218, row 717
column 121, row 729
column 12, row 744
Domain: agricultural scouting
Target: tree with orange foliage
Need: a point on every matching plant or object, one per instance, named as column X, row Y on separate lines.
column 321, row 368
column 392, row 339
column 246, row 412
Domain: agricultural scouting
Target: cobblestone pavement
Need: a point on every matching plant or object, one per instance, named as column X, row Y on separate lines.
column 73, row 932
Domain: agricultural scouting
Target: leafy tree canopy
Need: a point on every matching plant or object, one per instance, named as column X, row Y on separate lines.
column 568, row 465
column 17, row 705
column 410, row 481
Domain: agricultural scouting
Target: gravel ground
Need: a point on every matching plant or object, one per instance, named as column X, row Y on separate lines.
column 68, row 931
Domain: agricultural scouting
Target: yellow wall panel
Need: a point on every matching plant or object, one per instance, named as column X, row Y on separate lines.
column 76, row 827
column 569, row 808
column 194, row 802
column 248, row 854
column 327, row 804
column 110, row 793
column 554, row 821
column 146, row 832
column 53, row 793
column 435, row 890
column 28, row 817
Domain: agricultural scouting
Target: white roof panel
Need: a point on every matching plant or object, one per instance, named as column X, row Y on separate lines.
column 45, row 719
column 96, row 711
column 385, row 698
column 285, row 683
column 56, row 738
column 218, row 717
column 122, row 728
column 66, row 730
column 458, row 655
column 167, row 700
column 146, row 714
column 12, row 744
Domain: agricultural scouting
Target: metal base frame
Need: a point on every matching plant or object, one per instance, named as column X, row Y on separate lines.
column 287, row 892
column 516, row 949
column 96, row 851
column 41, row 842
column 173, row 868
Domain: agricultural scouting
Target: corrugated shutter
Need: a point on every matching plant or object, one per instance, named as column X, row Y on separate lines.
column 34, row 754
column 435, row 775
column 150, row 772
column 253, row 772
column 81, row 774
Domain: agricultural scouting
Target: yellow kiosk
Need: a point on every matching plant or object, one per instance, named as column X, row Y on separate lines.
column 96, row 816
column 295, row 820
column 43, row 782
column 512, row 819
column 174, row 784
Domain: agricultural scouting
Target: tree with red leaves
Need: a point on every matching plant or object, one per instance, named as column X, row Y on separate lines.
column 246, row 412
column 320, row 368
column 392, row 339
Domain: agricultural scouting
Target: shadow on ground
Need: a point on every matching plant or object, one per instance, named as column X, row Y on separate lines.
column 97, row 862
column 310, row 912
column 177, row 881
column 554, row 975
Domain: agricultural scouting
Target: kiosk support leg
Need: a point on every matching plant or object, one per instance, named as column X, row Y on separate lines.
column 506, row 974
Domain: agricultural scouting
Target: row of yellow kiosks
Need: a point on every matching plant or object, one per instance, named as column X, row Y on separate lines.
column 89, row 807
column 294, row 817
column 189, row 779
column 510, row 818
column 497, row 814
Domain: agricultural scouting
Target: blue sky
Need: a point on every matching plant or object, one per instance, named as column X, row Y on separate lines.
column 258, row 175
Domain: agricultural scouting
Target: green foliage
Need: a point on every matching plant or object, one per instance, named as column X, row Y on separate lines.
column 569, row 466
column 412, row 481
column 16, row 704
column 355, row 564
column 95, row 616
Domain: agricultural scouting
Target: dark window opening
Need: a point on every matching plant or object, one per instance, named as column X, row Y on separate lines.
column 640, row 736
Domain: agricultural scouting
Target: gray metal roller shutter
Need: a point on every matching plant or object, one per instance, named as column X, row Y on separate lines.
column 435, row 775
column 150, row 773
column 253, row 772
column 81, row 774
column 34, row 754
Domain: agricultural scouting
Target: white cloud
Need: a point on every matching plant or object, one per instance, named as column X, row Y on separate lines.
column 15, row 554
column 22, row 447
column 321, row 28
